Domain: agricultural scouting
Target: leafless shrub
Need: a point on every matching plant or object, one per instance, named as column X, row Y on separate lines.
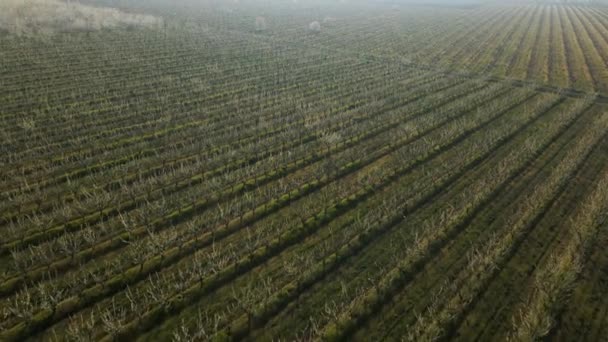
column 260, row 24
column 28, row 17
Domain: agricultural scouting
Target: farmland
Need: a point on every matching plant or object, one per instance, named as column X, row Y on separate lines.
column 234, row 172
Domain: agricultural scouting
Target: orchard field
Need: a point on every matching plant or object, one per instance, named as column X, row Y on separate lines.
column 234, row 172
